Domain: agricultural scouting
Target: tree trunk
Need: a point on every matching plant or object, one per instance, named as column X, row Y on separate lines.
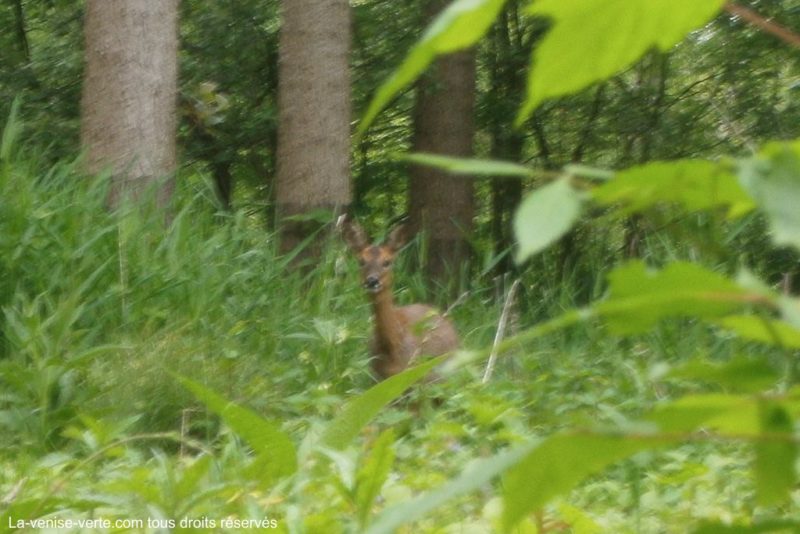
column 129, row 95
column 22, row 32
column 440, row 204
column 506, row 75
column 313, row 170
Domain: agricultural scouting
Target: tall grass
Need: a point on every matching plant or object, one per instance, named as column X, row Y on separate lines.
column 100, row 308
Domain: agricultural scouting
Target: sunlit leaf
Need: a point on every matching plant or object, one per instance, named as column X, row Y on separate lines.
column 473, row 167
column 559, row 464
column 680, row 289
column 773, row 179
column 593, row 39
column 776, row 453
column 692, row 184
column 740, row 374
column 755, row 328
column 779, row 525
column 579, row 521
column 710, row 410
column 545, row 215
column 458, row 27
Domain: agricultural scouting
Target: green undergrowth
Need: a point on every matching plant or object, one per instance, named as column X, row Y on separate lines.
column 105, row 314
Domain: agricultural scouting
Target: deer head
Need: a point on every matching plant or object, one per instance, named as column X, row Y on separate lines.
column 375, row 260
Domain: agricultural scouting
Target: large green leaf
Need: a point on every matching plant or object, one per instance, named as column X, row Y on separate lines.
column 776, row 452
column 275, row 453
column 781, row 526
column 473, row 167
column 693, row 184
column 545, row 215
column 639, row 297
column 762, row 329
column 471, row 479
column 459, row 26
column 773, row 179
column 736, row 414
column 558, row 464
column 358, row 412
column 593, row 39
column 743, row 374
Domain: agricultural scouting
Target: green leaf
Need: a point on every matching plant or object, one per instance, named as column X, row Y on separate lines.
column 709, row 410
column 275, row 453
column 778, row 525
column 773, row 179
column 593, row 39
column 558, row 464
column 545, row 215
column 471, row 479
column 579, row 521
column 358, row 412
column 755, row 328
column 473, row 167
column 458, row 27
column 775, row 455
column 563, row 460
column 373, row 474
column 743, row 374
column 639, row 298
column 692, row 184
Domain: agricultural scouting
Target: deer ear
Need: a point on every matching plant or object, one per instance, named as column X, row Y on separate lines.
column 352, row 233
column 398, row 237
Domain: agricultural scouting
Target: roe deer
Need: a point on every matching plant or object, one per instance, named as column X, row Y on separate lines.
column 401, row 333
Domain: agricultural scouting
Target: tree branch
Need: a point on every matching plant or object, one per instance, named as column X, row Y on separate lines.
column 751, row 17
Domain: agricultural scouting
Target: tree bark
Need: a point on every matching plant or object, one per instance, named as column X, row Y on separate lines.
column 440, row 204
column 128, row 104
column 22, row 32
column 313, row 168
column 506, row 74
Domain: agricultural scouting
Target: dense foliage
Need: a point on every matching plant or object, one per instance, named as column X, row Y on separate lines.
column 649, row 381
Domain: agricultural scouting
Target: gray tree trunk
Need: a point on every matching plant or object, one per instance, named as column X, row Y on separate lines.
column 128, row 106
column 439, row 203
column 313, row 168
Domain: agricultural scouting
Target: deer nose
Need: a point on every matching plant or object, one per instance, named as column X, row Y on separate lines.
column 372, row 283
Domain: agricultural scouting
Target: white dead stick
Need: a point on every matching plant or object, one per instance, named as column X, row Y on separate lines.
column 501, row 329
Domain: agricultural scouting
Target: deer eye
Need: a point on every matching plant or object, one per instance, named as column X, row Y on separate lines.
column 387, row 263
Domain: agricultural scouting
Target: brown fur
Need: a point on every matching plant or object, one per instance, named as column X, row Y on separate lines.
column 401, row 333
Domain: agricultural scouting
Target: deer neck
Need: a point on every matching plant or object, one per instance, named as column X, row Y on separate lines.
column 389, row 327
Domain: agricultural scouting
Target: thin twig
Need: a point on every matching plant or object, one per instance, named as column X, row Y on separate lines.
column 501, row 329
column 751, row 17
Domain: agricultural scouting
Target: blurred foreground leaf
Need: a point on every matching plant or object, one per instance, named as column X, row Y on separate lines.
column 772, row 177
column 692, row 184
column 545, row 215
column 458, row 27
column 679, row 289
column 776, row 453
column 593, row 39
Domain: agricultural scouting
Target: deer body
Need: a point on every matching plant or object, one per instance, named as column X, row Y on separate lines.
column 401, row 333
